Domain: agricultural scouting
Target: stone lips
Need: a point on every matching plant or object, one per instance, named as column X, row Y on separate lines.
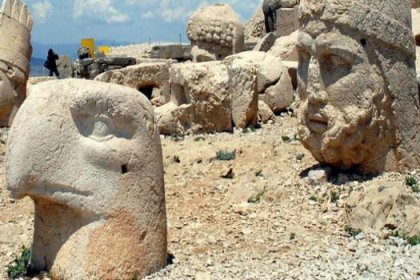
column 383, row 20
column 15, row 27
column 89, row 155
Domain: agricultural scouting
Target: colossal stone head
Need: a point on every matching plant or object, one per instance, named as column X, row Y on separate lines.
column 89, row 155
column 15, row 53
column 216, row 29
column 357, row 84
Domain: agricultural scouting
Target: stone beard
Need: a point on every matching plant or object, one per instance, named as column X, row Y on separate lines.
column 347, row 108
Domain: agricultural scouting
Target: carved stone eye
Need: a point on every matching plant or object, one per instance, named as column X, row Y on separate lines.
column 101, row 128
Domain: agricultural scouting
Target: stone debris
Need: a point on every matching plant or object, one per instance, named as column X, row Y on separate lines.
column 89, row 68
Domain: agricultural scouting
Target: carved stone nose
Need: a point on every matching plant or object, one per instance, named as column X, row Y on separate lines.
column 318, row 97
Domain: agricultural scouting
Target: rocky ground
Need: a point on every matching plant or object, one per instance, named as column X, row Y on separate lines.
column 265, row 220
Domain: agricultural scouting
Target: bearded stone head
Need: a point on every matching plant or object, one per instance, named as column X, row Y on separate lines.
column 359, row 102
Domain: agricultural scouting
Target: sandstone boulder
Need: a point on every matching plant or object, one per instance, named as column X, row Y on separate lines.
column 91, row 160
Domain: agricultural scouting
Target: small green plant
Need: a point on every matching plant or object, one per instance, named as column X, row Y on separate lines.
column 19, row 267
column 258, row 173
column 381, row 189
column 225, row 155
column 415, row 188
column 353, row 232
column 413, row 240
column 410, row 181
column 176, row 159
column 199, row 138
column 257, row 198
column 313, row 198
column 286, row 138
column 292, row 236
column 334, row 196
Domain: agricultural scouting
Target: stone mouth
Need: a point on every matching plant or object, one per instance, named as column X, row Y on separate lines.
column 62, row 194
column 317, row 123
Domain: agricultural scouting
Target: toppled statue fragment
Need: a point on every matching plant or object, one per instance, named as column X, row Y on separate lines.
column 89, row 155
column 15, row 54
column 357, row 83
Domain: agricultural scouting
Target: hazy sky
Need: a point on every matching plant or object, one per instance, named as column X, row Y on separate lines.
column 67, row 21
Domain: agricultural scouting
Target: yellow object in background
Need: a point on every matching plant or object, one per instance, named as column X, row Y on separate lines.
column 104, row 49
column 89, row 43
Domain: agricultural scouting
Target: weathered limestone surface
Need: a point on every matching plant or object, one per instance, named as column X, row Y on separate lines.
column 285, row 47
column 201, row 94
column 208, row 97
column 216, row 29
column 15, row 54
column 142, row 77
column 385, row 205
column 357, row 82
column 243, row 87
column 91, row 160
column 273, row 80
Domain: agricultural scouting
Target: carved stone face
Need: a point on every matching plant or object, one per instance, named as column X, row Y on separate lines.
column 12, row 91
column 87, row 146
column 342, row 118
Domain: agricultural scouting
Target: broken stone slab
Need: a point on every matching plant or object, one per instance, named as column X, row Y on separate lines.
column 143, row 77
